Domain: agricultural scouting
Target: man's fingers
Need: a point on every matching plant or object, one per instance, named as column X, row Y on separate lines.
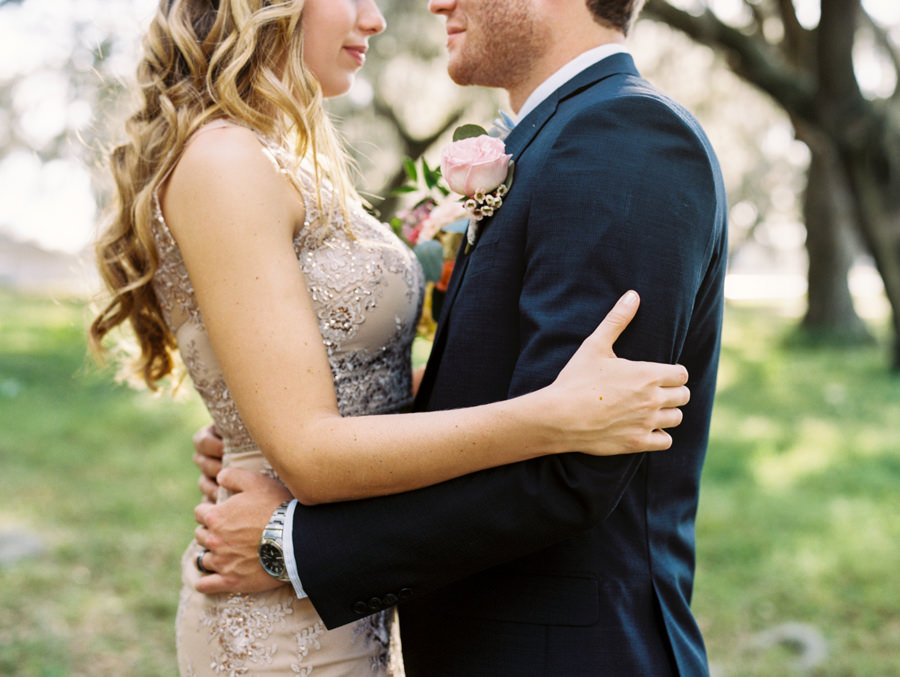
column 606, row 334
column 212, row 584
column 208, row 487
column 209, row 465
column 201, row 511
column 237, row 480
column 208, row 443
column 201, row 535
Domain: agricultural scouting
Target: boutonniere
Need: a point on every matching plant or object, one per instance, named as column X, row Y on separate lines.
column 477, row 167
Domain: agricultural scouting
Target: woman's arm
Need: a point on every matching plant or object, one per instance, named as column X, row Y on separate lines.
column 234, row 217
column 417, row 374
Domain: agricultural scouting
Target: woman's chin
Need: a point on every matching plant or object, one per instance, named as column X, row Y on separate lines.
column 333, row 89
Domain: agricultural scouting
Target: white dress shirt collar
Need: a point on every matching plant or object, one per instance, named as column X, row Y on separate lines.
column 566, row 73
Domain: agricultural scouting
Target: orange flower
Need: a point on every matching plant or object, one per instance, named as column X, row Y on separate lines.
column 446, row 272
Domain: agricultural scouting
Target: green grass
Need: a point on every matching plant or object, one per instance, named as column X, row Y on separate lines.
column 799, row 518
column 103, row 474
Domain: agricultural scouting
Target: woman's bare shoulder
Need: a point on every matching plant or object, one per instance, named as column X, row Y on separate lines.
column 229, row 172
column 223, row 151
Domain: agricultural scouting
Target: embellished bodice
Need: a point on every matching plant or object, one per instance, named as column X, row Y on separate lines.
column 366, row 287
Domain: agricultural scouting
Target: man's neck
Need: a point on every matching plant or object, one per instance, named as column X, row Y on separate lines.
column 563, row 51
column 567, row 72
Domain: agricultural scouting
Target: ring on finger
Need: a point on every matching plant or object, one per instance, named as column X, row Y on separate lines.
column 199, row 563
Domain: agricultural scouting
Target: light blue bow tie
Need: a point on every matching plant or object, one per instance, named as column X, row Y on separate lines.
column 502, row 126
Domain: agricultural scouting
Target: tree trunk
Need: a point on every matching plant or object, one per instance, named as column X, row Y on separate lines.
column 878, row 208
column 823, row 93
column 867, row 135
column 830, row 315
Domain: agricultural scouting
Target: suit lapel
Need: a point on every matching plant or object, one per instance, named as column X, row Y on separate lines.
column 527, row 129
column 517, row 142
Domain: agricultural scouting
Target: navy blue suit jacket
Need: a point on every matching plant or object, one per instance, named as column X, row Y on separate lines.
column 569, row 564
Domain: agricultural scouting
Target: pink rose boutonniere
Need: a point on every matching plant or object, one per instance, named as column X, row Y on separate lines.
column 477, row 167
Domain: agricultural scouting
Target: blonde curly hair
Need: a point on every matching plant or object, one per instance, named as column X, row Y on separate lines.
column 239, row 60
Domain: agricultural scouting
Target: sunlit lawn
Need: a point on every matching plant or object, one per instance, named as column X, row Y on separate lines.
column 799, row 518
column 103, row 474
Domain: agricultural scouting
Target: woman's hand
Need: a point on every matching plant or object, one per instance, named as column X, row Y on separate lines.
column 608, row 405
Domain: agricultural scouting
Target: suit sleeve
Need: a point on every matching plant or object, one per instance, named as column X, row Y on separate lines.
column 628, row 205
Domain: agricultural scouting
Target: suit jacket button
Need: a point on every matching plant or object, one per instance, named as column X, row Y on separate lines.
column 375, row 604
column 361, row 608
column 405, row 593
column 390, row 599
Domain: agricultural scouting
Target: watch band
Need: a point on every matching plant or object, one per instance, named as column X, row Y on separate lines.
column 271, row 545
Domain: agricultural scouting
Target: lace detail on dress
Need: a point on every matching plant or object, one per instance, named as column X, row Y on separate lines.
column 171, row 282
column 210, row 384
column 238, row 630
column 376, row 630
column 307, row 639
column 365, row 333
column 366, row 289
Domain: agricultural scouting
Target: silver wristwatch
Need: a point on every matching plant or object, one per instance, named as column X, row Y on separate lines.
column 271, row 545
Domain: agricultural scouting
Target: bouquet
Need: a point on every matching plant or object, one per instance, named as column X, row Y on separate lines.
column 433, row 227
column 475, row 167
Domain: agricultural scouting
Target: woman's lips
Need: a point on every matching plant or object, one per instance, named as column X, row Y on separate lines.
column 357, row 53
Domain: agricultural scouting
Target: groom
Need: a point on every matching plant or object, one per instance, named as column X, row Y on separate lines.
column 564, row 565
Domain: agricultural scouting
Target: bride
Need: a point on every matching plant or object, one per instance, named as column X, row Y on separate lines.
column 238, row 240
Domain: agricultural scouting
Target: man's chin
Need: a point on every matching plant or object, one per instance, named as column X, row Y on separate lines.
column 458, row 80
column 462, row 74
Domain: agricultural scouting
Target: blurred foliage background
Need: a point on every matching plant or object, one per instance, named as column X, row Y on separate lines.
column 799, row 533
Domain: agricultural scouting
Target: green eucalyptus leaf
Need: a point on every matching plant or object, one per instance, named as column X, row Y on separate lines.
column 410, row 168
column 468, row 132
column 431, row 255
column 429, row 175
column 511, row 170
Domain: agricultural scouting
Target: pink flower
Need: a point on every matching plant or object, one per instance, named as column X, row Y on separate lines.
column 475, row 165
column 443, row 214
column 411, row 233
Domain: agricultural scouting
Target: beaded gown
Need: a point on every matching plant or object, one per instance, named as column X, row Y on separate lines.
column 366, row 289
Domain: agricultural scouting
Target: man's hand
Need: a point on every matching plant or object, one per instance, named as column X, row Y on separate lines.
column 208, row 452
column 231, row 530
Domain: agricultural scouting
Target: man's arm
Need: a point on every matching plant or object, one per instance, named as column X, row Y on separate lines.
column 648, row 220
column 357, row 557
column 229, row 530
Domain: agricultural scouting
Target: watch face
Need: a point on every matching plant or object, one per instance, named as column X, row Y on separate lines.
column 271, row 559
